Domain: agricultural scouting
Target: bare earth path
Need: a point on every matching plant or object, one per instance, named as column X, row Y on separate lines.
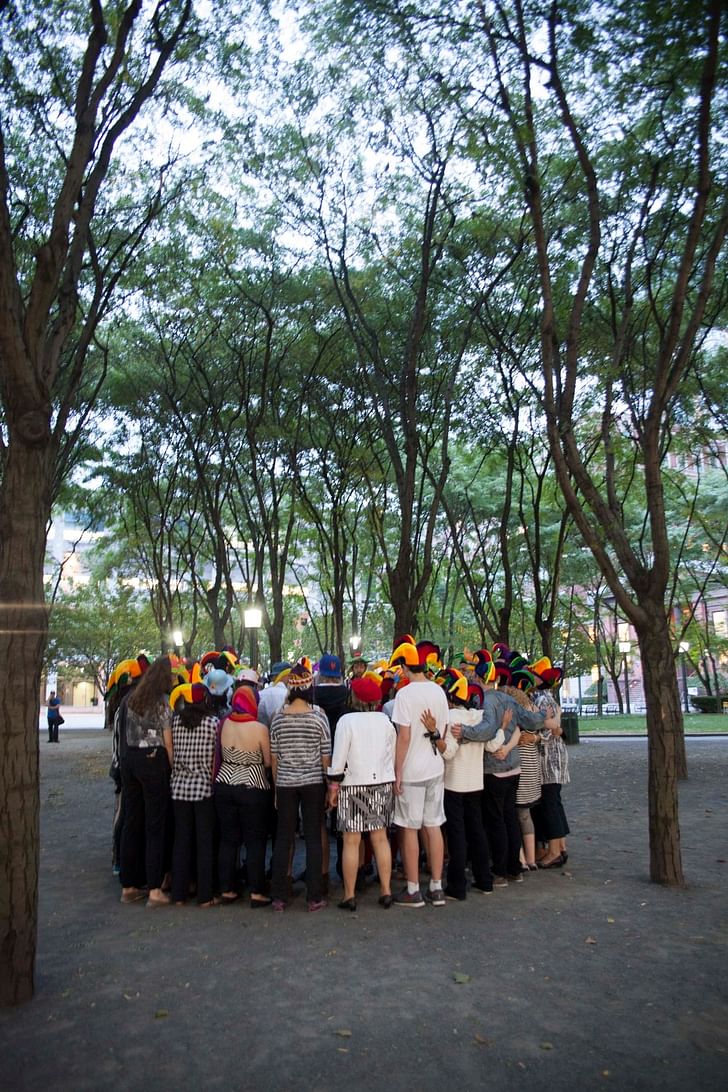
column 583, row 978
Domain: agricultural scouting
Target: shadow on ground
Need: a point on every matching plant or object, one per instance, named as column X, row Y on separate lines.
column 582, row 978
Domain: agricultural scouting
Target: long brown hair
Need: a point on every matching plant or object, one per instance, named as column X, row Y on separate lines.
column 155, row 683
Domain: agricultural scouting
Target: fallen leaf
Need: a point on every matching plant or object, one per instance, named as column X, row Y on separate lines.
column 343, row 1050
column 611, row 921
column 547, row 1046
column 482, row 1040
column 460, row 978
column 590, row 940
column 160, row 1014
column 344, row 1033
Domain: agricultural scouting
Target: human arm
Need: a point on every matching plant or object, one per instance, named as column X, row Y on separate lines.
column 447, row 745
column 167, row 737
column 265, row 745
column 486, row 729
column 404, row 734
column 506, row 749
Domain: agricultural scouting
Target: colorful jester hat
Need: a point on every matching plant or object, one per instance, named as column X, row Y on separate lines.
column 455, row 685
column 484, row 665
column 430, row 655
column 190, row 693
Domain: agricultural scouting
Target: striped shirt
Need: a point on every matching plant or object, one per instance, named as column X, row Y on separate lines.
column 300, row 742
column 529, row 784
column 193, row 752
column 242, row 768
column 554, row 755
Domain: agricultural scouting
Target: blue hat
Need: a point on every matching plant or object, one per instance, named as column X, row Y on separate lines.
column 329, row 666
column 218, row 682
column 282, row 665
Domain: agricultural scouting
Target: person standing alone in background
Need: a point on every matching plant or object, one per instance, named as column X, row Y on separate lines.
column 55, row 720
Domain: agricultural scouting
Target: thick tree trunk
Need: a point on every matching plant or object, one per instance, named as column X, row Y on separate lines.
column 665, row 744
column 24, row 514
column 401, row 599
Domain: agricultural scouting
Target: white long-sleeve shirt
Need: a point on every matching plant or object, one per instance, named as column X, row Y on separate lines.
column 464, row 763
column 364, row 749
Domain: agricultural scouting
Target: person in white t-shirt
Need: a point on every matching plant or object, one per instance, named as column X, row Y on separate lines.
column 419, row 775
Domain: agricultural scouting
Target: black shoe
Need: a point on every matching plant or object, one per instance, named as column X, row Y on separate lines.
column 450, row 894
column 386, row 901
column 347, row 904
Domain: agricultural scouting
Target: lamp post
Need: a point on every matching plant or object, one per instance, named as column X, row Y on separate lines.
column 624, row 648
column 253, row 620
column 178, row 639
column 683, row 649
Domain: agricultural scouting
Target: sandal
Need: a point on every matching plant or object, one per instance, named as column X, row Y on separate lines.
column 260, row 901
column 230, row 898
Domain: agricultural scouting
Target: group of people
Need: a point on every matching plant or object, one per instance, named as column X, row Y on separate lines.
column 439, row 766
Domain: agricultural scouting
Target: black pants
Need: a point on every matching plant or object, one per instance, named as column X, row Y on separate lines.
column 53, row 727
column 464, row 817
column 194, row 831
column 548, row 815
column 501, row 823
column 311, row 799
column 244, row 815
column 145, row 781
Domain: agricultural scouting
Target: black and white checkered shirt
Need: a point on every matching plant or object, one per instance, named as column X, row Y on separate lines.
column 193, row 753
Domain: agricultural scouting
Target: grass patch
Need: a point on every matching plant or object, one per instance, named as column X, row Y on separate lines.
column 695, row 723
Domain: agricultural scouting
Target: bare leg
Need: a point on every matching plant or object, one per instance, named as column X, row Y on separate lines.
column 436, row 854
column 383, row 857
column 409, row 847
column 350, row 862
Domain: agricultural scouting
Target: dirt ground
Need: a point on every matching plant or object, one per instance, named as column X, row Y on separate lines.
column 580, row 978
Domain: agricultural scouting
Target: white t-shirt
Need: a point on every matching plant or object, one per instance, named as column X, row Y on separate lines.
column 422, row 762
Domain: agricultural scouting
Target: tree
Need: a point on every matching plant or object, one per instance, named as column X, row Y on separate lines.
column 74, row 82
column 95, row 625
column 644, row 279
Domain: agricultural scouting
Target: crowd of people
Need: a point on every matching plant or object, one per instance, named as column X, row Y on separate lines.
column 452, row 773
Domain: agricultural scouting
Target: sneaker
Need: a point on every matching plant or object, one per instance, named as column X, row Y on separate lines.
column 449, row 894
column 500, row 881
column 436, row 897
column 405, row 899
column 482, row 890
column 516, row 879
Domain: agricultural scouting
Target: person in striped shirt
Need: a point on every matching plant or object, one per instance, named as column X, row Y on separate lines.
column 300, row 743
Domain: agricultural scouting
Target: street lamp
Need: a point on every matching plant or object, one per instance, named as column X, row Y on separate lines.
column 253, row 619
column 683, row 649
column 178, row 638
column 624, row 648
column 355, row 644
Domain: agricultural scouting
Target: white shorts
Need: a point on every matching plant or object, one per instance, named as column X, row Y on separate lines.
column 421, row 804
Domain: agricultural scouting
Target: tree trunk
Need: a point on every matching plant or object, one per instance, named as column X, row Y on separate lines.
column 401, row 600
column 666, row 747
column 24, row 514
